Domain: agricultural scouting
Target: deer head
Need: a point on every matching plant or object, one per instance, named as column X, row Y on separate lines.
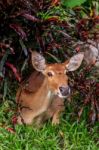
column 55, row 74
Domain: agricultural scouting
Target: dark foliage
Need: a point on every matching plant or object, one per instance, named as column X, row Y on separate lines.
column 55, row 31
column 89, row 90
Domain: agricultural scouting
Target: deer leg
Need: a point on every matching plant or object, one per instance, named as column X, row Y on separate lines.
column 56, row 118
column 55, row 109
column 25, row 116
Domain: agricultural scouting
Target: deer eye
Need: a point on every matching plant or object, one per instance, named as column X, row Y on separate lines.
column 50, row 74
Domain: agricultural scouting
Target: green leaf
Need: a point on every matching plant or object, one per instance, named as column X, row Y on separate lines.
column 5, row 88
column 24, row 64
column 23, row 47
column 72, row 3
column 2, row 62
column 54, row 57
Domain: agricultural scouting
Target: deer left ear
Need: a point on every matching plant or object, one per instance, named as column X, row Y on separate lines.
column 38, row 61
column 75, row 62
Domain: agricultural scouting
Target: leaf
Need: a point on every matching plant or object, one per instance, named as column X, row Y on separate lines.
column 72, row 3
column 1, row 75
column 92, row 116
column 80, row 112
column 97, row 106
column 53, row 18
column 65, row 34
column 55, row 58
column 18, row 29
column 41, row 42
column 2, row 62
column 11, row 130
column 30, row 17
column 61, row 133
column 5, row 88
column 55, row 2
column 13, row 68
column 1, row 78
column 14, row 120
column 7, row 46
column 23, row 47
column 24, row 64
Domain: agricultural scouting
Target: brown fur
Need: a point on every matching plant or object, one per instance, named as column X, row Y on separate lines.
column 41, row 96
column 33, row 104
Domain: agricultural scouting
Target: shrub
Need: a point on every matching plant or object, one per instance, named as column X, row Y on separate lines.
column 53, row 29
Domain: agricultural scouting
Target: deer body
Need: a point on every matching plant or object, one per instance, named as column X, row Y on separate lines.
column 41, row 96
column 38, row 103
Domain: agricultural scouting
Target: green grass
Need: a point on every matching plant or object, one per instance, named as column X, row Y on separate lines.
column 69, row 135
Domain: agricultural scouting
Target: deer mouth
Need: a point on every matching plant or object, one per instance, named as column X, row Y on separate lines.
column 64, row 94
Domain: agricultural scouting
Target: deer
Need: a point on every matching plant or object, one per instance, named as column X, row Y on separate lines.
column 41, row 96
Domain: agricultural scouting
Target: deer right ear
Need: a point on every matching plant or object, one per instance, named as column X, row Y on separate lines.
column 38, row 61
column 75, row 62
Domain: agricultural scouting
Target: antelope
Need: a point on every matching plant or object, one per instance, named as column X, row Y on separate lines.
column 41, row 97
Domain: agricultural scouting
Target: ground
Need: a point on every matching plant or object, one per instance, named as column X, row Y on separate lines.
column 68, row 135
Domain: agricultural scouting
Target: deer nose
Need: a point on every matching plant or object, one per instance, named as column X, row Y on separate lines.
column 64, row 90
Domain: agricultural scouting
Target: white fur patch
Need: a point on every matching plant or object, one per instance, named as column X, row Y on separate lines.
column 49, row 95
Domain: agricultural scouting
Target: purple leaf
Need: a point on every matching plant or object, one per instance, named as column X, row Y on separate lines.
column 18, row 29
column 13, row 68
column 30, row 17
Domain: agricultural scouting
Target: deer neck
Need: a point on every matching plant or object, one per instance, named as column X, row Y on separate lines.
column 45, row 91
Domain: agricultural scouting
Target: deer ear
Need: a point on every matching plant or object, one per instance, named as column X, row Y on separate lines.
column 38, row 61
column 75, row 62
